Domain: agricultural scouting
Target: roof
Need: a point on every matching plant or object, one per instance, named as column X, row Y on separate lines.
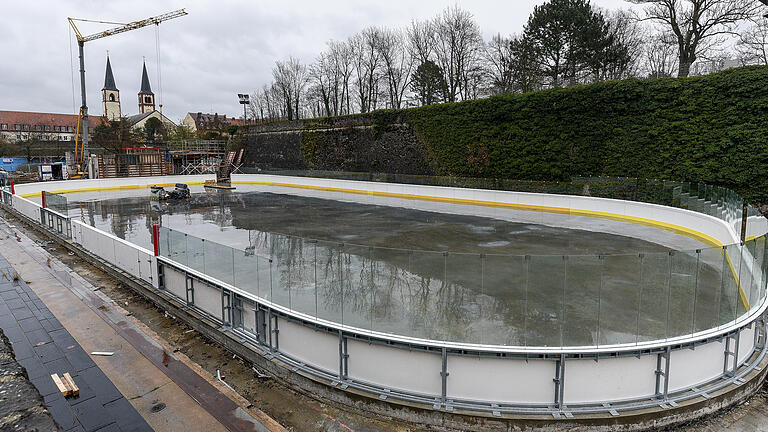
column 37, row 118
column 211, row 121
column 138, row 117
column 145, row 88
column 109, row 80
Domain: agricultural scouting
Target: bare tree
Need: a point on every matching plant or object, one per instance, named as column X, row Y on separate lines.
column 752, row 46
column 697, row 25
column 660, row 55
column 290, row 80
column 366, row 62
column 458, row 47
column 421, row 41
column 499, row 60
column 397, row 65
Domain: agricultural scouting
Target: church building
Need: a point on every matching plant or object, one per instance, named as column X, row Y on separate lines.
column 110, row 97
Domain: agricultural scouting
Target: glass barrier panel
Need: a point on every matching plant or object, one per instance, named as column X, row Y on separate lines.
column 544, row 310
column 246, row 271
column 357, row 274
column 218, row 261
column 502, row 300
column 396, row 294
column 582, row 300
column 763, row 246
column 682, row 283
column 709, row 276
column 653, row 304
column 163, row 241
column 465, row 284
column 429, row 270
column 619, row 299
column 194, row 253
column 729, row 292
column 280, row 276
column 746, row 279
column 329, row 276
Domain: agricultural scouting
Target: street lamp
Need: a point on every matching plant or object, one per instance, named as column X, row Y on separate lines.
column 245, row 99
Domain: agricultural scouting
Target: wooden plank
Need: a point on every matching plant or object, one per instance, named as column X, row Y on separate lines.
column 65, row 391
column 70, row 383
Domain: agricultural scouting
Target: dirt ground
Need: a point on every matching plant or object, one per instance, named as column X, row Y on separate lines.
column 295, row 411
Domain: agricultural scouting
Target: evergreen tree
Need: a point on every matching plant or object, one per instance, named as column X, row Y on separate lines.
column 572, row 41
column 428, row 83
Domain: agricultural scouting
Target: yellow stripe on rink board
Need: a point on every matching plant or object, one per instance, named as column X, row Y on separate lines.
column 104, row 188
column 677, row 229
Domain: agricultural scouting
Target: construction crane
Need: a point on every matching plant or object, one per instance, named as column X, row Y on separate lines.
column 81, row 40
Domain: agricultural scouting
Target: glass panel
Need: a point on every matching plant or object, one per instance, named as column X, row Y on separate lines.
column 246, row 275
column 682, row 283
column 465, row 285
column 279, row 269
column 395, row 292
column 729, row 291
column 502, row 300
column 430, row 310
column 708, row 282
column 653, row 306
column 619, row 299
column 217, row 261
column 357, row 265
column 745, row 273
column 544, row 312
column 164, row 241
column 328, row 271
column 582, row 300
column 195, row 253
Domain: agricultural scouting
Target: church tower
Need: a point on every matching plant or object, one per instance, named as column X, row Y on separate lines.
column 110, row 96
column 146, row 97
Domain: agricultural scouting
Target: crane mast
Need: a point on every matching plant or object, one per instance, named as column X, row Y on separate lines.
column 81, row 40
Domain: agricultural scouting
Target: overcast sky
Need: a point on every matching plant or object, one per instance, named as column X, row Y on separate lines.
column 221, row 48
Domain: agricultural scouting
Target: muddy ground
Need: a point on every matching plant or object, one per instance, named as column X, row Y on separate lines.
column 295, row 411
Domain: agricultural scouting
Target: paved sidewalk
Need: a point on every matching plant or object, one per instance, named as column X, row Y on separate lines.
column 43, row 347
column 167, row 393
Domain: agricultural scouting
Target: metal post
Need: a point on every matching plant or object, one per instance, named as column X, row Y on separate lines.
column 559, row 381
column 744, row 222
column 444, row 376
column 155, row 239
column 84, row 107
column 42, row 196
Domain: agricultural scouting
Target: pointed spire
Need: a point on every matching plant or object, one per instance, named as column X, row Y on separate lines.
column 145, row 88
column 109, row 80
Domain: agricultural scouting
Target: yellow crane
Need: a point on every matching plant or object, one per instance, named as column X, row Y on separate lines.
column 82, row 119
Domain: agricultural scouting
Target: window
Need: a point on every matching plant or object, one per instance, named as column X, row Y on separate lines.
column 26, row 127
column 47, row 128
column 69, row 129
column 147, row 99
column 4, row 126
column 38, row 128
column 17, row 127
column 111, row 97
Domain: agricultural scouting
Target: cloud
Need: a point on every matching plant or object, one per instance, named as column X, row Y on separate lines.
column 220, row 49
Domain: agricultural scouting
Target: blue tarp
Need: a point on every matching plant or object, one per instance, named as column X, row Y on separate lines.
column 11, row 164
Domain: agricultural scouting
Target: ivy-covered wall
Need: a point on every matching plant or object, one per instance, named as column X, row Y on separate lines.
column 711, row 129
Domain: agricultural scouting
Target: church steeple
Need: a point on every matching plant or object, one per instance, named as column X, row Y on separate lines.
column 110, row 95
column 146, row 97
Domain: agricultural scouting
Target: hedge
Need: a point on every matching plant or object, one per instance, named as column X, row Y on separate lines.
column 709, row 129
